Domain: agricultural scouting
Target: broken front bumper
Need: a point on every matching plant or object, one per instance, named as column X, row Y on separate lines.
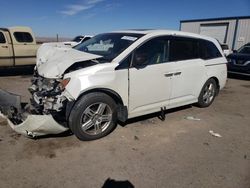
column 38, row 125
column 26, row 123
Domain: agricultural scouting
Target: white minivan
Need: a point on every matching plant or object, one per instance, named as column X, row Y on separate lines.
column 120, row 75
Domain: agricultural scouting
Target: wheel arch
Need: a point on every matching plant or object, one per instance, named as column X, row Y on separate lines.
column 117, row 98
column 217, row 83
column 122, row 110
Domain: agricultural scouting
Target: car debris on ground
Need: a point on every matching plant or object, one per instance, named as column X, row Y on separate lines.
column 215, row 134
column 192, row 118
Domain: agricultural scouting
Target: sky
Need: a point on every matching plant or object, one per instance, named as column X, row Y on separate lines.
column 69, row 18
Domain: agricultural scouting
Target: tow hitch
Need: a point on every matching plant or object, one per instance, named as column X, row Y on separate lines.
column 24, row 120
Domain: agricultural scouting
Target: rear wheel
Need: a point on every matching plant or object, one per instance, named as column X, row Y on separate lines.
column 93, row 116
column 207, row 94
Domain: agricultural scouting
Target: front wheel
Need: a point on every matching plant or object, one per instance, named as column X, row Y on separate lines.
column 207, row 93
column 93, row 116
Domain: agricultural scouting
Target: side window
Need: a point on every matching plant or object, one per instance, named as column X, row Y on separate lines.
column 183, row 49
column 23, row 37
column 208, row 50
column 152, row 52
column 2, row 38
column 124, row 64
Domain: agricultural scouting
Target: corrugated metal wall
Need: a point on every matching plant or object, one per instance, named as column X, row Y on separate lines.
column 242, row 35
column 192, row 27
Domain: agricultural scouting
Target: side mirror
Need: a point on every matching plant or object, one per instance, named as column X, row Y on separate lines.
column 234, row 51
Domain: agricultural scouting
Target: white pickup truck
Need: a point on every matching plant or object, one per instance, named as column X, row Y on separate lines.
column 18, row 47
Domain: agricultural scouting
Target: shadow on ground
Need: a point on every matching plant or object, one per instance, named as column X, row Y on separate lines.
column 128, row 122
column 64, row 134
column 110, row 183
column 153, row 115
column 238, row 77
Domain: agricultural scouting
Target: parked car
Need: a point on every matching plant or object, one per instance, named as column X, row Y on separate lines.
column 77, row 40
column 225, row 49
column 17, row 47
column 120, row 75
column 239, row 61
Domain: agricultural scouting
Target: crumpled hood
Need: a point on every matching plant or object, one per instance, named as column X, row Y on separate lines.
column 53, row 60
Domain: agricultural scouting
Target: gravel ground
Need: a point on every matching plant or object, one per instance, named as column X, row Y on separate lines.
column 146, row 152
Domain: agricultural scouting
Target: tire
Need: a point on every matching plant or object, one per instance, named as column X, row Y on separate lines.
column 93, row 116
column 207, row 94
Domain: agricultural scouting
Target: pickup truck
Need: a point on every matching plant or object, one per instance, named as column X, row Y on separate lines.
column 18, row 47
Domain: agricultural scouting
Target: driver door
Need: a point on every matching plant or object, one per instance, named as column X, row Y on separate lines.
column 150, row 77
column 6, row 55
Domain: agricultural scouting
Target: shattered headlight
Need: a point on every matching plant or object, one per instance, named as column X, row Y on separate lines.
column 63, row 83
column 55, row 84
column 47, row 84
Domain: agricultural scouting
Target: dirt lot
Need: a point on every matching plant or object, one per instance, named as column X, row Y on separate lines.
column 146, row 152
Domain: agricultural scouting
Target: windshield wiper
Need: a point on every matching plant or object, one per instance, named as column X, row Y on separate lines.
column 103, row 60
column 95, row 61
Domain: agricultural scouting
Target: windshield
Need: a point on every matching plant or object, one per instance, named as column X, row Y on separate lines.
column 245, row 50
column 108, row 45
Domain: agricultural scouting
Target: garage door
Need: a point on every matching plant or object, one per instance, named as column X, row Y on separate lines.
column 218, row 31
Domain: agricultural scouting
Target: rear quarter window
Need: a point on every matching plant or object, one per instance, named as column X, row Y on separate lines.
column 23, row 37
column 2, row 38
column 208, row 50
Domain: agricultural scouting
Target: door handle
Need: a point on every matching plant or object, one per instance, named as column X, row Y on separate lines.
column 172, row 74
column 177, row 73
column 168, row 74
column 4, row 46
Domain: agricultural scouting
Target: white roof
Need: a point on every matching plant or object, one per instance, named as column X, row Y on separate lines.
column 156, row 32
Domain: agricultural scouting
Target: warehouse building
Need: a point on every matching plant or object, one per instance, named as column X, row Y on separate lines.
column 233, row 31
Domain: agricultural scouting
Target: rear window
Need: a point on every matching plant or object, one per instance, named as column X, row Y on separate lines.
column 224, row 47
column 23, row 37
column 2, row 38
column 208, row 50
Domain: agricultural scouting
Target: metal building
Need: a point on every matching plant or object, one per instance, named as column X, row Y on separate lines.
column 233, row 31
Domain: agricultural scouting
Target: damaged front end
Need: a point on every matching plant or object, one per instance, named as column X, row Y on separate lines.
column 46, row 113
column 50, row 104
column 47, row 94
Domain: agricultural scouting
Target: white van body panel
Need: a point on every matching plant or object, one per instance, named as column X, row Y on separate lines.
column 144, row 90
column 101, row 76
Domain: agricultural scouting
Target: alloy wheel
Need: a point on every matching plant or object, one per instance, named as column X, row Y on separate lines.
column 209, row 93
column 96, row 118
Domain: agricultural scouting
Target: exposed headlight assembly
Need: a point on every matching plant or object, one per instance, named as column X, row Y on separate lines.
column 63, row 83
